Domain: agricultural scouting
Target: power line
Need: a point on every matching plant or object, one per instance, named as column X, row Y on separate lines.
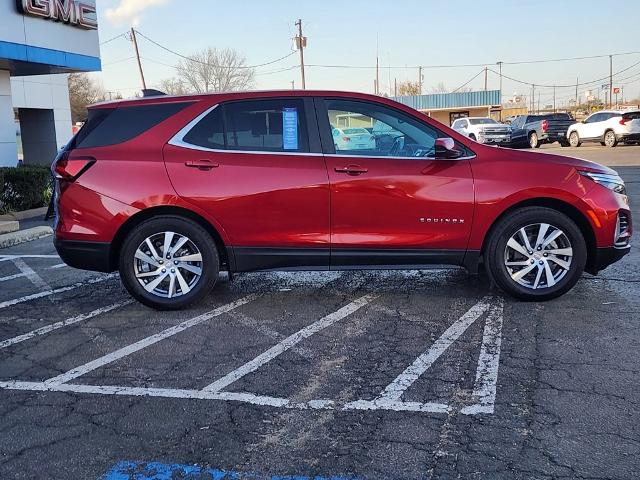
column 279, row 70
column 469, row 81
column 565, row 86
column 114, row 38
column 210, row 64
column 465, row 65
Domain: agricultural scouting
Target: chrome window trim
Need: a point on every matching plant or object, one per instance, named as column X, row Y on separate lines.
column 178, row 141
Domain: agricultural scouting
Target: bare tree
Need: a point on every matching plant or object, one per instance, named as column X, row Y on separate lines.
column 440, row 88
column 173, row 86
column 408, row 88
column 213, row 70
column 83, row 91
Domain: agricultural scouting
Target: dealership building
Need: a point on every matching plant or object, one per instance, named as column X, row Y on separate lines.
column 41, row 41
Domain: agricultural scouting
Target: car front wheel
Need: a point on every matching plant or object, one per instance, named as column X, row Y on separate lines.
column 168, row 262
column 536, row 254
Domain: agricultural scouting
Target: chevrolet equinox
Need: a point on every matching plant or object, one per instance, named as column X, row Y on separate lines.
column 172, row 190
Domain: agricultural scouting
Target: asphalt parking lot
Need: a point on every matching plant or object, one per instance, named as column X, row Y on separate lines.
column 359, row 375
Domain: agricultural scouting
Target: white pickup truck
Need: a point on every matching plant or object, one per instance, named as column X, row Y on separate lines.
column 483, row 130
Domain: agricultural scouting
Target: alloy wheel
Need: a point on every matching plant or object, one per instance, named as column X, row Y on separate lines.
column 610, row 139
column 538, row 256
column 168, row 264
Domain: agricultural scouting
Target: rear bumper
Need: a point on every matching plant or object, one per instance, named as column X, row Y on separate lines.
column 629, row 137
column 94, row 256
column 605, row 257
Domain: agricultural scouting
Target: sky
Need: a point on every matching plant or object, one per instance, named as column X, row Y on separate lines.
column 405, row 33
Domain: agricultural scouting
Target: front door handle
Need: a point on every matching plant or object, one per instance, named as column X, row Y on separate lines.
column 202, row 164
column 352, row 170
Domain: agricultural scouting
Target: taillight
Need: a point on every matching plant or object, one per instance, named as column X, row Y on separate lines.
column 346, row 139
column 624, row 120
column 545, row 125
column 70, row 168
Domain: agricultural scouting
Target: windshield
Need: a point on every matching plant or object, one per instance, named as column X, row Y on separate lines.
column 482, row 121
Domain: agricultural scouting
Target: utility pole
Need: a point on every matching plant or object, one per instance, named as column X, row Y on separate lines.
column 377, row 75
column 293, row 84
column 500, row 71
column 576, row 112
column 485, row 79
column 301, row 43
column 533, row 97
column 610, row 81
column 538, row 110
column 135, row 45
column 420, row 80
column 395, row 87
column 554, row 99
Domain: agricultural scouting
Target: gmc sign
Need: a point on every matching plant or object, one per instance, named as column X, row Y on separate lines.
column 72, row 12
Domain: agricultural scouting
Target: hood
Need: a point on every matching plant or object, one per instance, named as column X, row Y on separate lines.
column 577, row 163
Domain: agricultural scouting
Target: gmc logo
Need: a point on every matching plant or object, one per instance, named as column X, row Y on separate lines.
column 71, row 12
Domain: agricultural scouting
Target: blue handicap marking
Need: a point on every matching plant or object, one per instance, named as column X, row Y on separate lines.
column 130, row 470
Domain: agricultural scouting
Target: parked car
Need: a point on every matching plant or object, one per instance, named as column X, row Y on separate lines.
column 353, row 139
column 172, row 190
column 483, row 130
column 607, row 127
column 534, row 130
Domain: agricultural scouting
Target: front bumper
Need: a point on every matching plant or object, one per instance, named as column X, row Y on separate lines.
column 494, row 139
column 94, row 256
column 606, row 256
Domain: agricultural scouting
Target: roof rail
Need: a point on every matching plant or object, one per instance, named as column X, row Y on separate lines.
column 150, row 92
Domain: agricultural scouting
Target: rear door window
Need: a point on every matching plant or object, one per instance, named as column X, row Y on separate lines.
column 276, row 125
column 111, row 126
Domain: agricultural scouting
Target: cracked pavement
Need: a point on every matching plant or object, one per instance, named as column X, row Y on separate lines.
column 567, row 399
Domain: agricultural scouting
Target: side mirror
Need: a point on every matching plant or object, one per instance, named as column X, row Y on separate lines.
column 445, row 149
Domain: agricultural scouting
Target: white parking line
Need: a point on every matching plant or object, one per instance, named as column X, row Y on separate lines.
column 31, row 275
column 26, row 298
column 59, row 265
column 389, row 399
column 145, row 342
column 4, row 258
column 289, row 342
column 487, row 372
column 64, row 323
column 12, row 277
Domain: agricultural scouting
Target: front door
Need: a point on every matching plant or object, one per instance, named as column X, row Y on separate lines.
column 253, row 167
column 392, row 201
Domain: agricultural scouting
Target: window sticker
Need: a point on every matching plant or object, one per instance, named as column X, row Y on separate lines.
column 290, row 128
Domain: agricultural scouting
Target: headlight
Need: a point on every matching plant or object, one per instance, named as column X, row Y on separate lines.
column 610, row 181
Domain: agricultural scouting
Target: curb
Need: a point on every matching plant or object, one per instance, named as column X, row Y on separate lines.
column 22, row 236
column 9, row 226
column 34, row 212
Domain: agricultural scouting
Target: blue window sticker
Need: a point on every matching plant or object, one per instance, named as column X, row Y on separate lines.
column 290, row 128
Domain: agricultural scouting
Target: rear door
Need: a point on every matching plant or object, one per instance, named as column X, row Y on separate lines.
column 397, row 204
column 255, row 167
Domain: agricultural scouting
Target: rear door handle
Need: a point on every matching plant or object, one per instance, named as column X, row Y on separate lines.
column 352, row 170
column 202, row 164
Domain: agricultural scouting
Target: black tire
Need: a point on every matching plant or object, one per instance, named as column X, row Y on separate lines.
column 472, row 137
column 610, row 139
column 603, row 144
column 574, row 139
column 564, row 143
column 534, row 142
column 180, row 225
column 505, row 228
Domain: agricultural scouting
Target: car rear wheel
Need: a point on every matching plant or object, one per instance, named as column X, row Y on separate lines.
column 168, row 262
column 536, row 254
column 533, row 140
column 610, row 139
column 574, row 139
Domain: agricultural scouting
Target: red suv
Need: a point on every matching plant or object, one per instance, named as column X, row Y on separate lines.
column 172, row 190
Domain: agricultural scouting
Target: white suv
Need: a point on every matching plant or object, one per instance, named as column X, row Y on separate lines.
column 607, row 127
